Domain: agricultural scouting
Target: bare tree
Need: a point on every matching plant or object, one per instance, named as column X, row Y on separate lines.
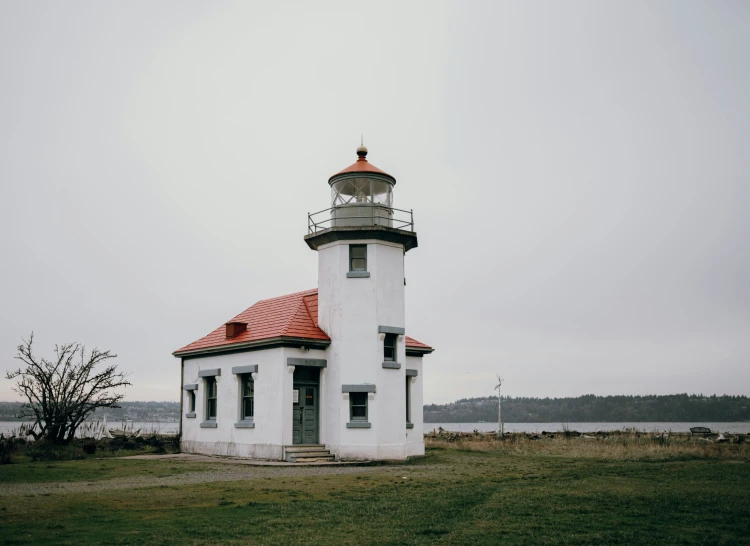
column 62, row 392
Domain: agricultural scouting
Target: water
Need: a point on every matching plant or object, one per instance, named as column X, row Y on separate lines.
column 739, row 427
column 743, row 427
column 146, row 427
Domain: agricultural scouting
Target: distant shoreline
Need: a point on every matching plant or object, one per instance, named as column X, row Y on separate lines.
column 638, row 410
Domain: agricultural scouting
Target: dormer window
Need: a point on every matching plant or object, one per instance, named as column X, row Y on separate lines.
column 235, row 328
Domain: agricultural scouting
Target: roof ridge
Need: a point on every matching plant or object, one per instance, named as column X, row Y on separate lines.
column 307, row 308
column 292, row 315
column 300, row 293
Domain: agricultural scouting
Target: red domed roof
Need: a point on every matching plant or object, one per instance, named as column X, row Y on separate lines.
column 362, row 166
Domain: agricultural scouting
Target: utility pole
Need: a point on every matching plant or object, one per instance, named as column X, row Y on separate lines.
column 501, row 427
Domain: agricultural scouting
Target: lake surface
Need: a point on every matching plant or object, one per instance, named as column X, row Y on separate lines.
column 171, row 428
column 590, row 427
column 145, row 427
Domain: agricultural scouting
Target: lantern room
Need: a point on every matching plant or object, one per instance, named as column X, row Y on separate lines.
column 361, row 208
column 362, row 195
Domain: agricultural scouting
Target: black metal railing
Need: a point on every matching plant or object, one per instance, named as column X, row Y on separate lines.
column 379, row 215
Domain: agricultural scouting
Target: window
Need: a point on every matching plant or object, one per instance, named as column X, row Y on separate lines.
column 191, row 401
column 358, row 406
column 248, row 398
column 357, row 257
column 358, row 395
column 408, row 399
column 389, row 347
column 211, row 396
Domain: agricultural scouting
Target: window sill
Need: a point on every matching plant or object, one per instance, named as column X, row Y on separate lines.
column 409, row 425
column 244, row 424
column 391, row 365
column 357, row 274
column 190, row 415
column 358, row 424
column 208, row 424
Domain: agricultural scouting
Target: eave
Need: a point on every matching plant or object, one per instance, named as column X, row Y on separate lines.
column 418, row 351
column 257, row 345
column 348, row 233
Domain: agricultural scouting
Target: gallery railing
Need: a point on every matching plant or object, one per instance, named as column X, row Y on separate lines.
column 360, row 216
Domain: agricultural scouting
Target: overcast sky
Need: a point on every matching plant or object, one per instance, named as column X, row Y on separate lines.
column 578, row 173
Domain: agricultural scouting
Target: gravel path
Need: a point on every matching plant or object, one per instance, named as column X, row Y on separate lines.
column 222, row 472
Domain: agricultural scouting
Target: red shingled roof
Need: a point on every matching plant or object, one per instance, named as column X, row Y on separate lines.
column 414, row 344
column 362, row 166
column 291, row 316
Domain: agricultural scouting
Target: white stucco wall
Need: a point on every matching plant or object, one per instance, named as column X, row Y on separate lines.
column 350, row 310
column 415, row 436
column 265, row 441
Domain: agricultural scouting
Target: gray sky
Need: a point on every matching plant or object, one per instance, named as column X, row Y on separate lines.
column 578, row 172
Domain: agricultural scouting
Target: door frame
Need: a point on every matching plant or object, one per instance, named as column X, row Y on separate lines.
column 301, row 385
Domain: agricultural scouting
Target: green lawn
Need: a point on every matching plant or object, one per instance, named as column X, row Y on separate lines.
column 92, row 469
column 450, row 496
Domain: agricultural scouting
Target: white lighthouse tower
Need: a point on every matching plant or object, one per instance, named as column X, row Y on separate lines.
column 370, row 384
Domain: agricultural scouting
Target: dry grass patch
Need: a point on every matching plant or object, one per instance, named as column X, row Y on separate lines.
column 616, row 445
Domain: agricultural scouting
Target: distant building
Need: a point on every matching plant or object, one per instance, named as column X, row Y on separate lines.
column 326, row 373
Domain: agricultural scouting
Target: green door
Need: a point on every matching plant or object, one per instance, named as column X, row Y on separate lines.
column 305, row 415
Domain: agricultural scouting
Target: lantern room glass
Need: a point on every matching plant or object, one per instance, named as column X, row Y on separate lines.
column 361, row 191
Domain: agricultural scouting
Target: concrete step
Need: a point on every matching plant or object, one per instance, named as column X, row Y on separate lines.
column 312, row 459
column 307, row 453
column 316, row 453
column 301, row 448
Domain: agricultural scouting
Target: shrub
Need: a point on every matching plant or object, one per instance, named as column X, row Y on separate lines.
column 47, row 451
column 116, row 443
column 7, row 449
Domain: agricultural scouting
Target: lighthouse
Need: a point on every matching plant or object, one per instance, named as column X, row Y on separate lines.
column 362, row 241
column 328, row 373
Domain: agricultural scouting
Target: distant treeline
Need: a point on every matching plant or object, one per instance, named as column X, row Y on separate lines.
column 590, row 408
column 135, row 411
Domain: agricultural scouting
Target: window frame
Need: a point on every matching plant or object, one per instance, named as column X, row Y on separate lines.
column 212, row 387
column 393, row 347
column 191, row 401
column 352, row 248
column 352, row 405
column 245, row 380
column 408, row 400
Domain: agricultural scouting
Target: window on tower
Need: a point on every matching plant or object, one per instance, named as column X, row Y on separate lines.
column 389, row 347
column 357, row 257
column 358, row 402
column 358, row 406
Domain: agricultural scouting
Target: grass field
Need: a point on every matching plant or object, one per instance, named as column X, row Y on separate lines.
column 88, row 470
column 457, row 494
